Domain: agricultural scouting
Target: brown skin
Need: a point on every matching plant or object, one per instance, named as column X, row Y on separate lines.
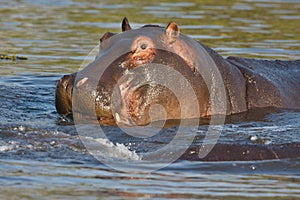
column 143, row 97
column 270, row 83
column 249, row 83
column 142, row 52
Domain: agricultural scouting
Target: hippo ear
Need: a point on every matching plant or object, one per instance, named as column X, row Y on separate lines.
column 106, row 36
column 172, row 31
column 125, row 25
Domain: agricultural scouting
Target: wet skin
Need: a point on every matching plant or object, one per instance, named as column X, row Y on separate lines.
column 249, row 83
column 100, row 91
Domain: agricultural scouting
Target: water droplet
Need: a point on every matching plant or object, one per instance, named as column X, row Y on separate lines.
column 254, row 138
column 252, row 167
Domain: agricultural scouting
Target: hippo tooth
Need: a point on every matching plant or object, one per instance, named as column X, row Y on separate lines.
column 117, row 117
column 81, row 82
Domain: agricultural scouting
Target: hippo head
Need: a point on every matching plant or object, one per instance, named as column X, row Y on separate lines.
column 139, row 76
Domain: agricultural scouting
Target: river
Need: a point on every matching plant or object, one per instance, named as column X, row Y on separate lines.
column 43, row 157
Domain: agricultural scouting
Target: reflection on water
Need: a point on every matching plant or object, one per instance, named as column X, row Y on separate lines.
column 42, row 156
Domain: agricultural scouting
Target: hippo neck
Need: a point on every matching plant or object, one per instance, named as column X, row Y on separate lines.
column 233, row 80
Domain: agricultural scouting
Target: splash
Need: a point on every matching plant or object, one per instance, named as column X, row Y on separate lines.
column 108, row 150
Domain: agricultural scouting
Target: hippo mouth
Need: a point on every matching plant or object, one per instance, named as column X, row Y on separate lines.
column 129, row 98
column 132, row 103
column 145, row 93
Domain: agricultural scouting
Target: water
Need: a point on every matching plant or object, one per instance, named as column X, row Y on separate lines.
column 42, row 156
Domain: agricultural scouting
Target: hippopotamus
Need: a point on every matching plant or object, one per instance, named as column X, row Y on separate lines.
column 118, row 87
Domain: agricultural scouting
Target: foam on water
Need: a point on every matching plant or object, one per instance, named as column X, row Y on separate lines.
column 109, row 150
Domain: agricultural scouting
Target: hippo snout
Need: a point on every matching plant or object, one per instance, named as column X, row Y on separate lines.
column 91, row 99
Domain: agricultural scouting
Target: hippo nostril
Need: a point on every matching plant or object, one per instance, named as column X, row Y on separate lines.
column 143, row 46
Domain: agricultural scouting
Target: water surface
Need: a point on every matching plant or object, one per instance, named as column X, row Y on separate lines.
column 41, row 155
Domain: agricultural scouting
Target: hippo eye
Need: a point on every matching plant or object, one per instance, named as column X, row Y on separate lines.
column 143, row 46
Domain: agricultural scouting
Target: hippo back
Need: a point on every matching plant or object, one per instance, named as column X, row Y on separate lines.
column 270, row 82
